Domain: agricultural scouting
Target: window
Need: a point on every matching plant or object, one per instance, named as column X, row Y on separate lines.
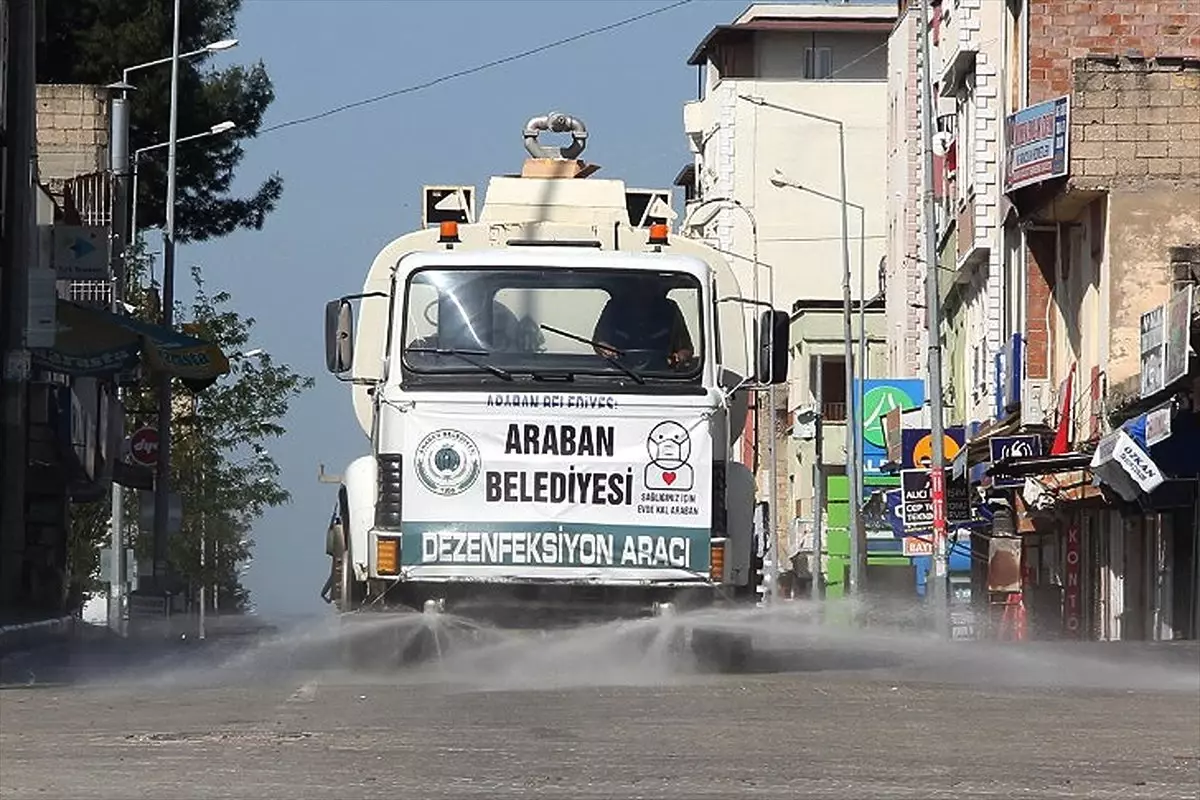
column 527, row 322
column 818, row 63
column 829, row 387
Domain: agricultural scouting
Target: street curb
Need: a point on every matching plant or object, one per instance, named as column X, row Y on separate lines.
column 28, row 635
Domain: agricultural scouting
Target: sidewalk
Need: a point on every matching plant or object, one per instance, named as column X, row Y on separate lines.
column 31, row 632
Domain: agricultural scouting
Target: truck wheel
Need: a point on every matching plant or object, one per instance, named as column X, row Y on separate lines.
column 350, row 593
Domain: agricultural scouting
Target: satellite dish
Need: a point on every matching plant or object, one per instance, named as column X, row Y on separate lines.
column 941, row 143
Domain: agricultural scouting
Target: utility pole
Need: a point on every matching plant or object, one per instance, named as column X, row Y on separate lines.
column 854, row 527
column 818, row 576
column 119, row 166
column 860, row 532
column 19, row 254
column 162, row 482
column 937, row 471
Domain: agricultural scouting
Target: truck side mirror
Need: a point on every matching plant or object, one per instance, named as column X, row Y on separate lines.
column 773, row 331
column 339, row 336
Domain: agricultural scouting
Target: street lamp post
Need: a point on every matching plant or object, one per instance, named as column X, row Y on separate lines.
column 215, row 47
column 852, row 466
column 773, row 469
column 939, row 592
column 215, row 130
column 781, row 180
column 162, row 478
column 123, row 225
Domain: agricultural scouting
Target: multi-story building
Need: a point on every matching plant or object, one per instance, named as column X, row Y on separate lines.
column 777, row 86
column 1068, row 177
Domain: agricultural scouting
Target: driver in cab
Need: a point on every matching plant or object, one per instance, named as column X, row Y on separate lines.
column 640, row 316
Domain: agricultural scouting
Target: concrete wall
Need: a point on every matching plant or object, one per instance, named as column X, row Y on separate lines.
column 1136, row 135
column 72, row 131
column 1146, row 222
column 1134, row 122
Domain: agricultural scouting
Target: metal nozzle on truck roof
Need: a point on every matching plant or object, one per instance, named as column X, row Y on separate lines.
column 556, row 122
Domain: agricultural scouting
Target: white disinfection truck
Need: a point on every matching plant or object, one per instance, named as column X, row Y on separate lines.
column 553, row 394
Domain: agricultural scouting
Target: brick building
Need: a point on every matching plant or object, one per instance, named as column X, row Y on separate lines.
column 1087, row 116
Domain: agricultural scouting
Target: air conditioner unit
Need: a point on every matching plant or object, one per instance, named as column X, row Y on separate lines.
column 804, row 423
column 1036, row 402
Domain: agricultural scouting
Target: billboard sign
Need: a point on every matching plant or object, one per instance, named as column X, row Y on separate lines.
column 917, row 500
column 881, row 396
column 915, row 547
column 1152, row 348
column 1036, row 143
column 917, row 446
column 1178, row 336
column 1007, row 447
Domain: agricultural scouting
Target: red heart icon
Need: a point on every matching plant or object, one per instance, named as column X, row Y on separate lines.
column 669, row 477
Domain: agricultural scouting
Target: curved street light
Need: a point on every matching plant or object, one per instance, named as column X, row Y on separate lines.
column 719, row 203
column 215, row 130
column 853, row 465
column 212, row 47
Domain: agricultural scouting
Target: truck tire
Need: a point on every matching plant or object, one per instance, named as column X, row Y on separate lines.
column 350, row 593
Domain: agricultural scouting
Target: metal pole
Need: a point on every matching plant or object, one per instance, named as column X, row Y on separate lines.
column 203, row 548
column 20, row 254
column 133, row 228
column 162, row 485
column 773, row 469
column 937, row 472
column 848, row 334
column 818, row 569
column 119, row 163
column 863, row 371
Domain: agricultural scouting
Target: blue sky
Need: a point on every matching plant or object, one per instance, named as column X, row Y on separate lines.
column 353, row 180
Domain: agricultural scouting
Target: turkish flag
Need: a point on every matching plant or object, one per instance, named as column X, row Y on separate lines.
column 1062, row 437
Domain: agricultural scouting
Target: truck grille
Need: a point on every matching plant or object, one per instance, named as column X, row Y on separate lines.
column 387, row 497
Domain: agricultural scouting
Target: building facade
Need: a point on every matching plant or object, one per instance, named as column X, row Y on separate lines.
column 776, row 87
column 1068, row 187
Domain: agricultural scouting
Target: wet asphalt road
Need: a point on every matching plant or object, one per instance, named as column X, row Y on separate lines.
column 587, row 715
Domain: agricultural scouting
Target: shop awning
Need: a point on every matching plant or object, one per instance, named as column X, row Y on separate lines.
column 1146, row 459
column 96, row 342
column 1171, row 438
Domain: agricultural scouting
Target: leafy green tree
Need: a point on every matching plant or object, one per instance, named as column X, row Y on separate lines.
column 92, row 41
column 222, row 469
column 220, row 465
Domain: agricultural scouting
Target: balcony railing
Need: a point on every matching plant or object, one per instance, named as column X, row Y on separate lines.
column 833, row 412
column 88, row 200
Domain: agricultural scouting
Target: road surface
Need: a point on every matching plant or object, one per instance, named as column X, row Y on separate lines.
column 591, row 714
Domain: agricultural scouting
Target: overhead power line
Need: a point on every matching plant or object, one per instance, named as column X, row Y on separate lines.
column 462, row 73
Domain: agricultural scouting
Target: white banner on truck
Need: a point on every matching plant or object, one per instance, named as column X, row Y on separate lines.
column 544, row 486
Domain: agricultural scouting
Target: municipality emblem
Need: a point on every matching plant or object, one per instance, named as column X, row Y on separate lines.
column 447, row 462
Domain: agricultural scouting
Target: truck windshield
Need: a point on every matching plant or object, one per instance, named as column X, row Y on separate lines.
column 627, row 324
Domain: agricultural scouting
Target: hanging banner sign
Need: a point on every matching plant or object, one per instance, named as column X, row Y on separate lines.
column 534, row 491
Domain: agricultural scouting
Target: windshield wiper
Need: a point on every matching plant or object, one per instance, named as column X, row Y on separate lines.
column 602, row 350
column 467, row 356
